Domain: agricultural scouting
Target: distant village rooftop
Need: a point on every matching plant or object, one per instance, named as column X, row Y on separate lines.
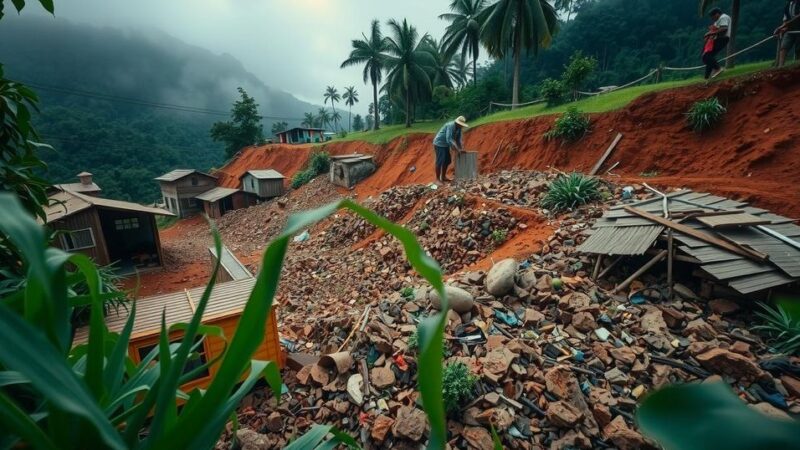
column 267, row 174
column 177, row 174
column 85, row 185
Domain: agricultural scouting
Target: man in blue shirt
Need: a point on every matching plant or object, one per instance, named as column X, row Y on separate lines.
column 448, row 136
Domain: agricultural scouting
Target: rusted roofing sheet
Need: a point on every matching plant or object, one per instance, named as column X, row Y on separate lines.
column 226, row 298
column 621, row 240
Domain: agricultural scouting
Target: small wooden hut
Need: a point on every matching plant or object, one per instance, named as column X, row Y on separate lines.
column 263, row 183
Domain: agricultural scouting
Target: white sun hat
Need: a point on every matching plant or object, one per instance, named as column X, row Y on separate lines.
column 461, row 120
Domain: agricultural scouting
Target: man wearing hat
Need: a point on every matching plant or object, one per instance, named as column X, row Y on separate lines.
column 448, row 136
column 721, row 34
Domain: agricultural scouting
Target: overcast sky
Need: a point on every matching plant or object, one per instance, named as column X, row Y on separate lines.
column 294, row 45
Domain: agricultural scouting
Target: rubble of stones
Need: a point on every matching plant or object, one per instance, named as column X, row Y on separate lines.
column 561, row 362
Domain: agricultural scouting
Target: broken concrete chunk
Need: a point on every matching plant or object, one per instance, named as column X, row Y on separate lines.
column 410, row 424
column 563, row 415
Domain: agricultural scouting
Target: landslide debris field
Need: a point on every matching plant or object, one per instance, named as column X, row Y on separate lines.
column 560, row 359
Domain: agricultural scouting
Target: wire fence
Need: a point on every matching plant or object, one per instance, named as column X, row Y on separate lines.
column 657, row 72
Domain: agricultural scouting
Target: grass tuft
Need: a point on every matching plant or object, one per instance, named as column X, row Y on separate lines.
column 705, row 114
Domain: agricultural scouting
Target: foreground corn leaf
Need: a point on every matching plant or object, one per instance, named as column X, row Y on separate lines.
column 710, row 416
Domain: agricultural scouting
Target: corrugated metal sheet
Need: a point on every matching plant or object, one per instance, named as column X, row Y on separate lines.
column 65, row 203
column 759, row 282
column 787, row 229
column 216, row 194
column 621, row 241
column 226, row 298
column 267, row 174
column 78, row 187
column 736, row 268
column 709, row 254
column 231, row 264
column 732, row 220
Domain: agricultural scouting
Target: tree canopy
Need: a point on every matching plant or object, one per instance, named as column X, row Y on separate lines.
column 243, row 129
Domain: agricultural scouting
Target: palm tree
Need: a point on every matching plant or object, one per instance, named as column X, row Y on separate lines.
column 323, row 117
column 332, row 95
column 736, row 6
column 464, row 31
column 369, row 52
column 336, row 117
column 408, row 61
column 515, row 25
column 350, row 97
column 309, row 121
column 445, row 71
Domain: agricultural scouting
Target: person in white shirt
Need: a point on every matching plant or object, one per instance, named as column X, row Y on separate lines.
column 791, row 24
column 721, row 34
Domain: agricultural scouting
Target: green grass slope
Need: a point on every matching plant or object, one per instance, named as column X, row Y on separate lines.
column 598, row 104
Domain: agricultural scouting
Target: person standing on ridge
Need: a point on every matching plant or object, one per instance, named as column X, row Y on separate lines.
column 448, row 136
column 721, row 34
column 791, row 23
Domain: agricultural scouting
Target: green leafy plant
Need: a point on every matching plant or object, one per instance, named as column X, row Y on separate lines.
column 96, row 388
column 458, row 386
column 318, row 163
column 571, row 126
column 569, row 191
column 407, row 292
column 701, row 416
column 499, row 236
column 705, row 114
column 577, row 71
column 413, row 341
column 781, row 327
column 553, row 91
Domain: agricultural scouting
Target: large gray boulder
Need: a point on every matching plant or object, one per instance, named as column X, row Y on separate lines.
column 460, row 300
column 500, row 279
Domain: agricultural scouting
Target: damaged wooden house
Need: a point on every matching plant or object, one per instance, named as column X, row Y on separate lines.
column 747, row 250
column 108, row 231
column 180, row 188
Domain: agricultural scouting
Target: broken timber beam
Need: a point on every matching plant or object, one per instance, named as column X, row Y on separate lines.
column 699, row 235
column 661, row 255
column 605, row 156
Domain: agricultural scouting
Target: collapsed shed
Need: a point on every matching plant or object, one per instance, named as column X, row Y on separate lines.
column 347, row 170
column 746, row 248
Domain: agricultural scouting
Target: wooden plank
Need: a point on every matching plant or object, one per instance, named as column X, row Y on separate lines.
column 732, row 220
column 698, row 235
column 606, row 154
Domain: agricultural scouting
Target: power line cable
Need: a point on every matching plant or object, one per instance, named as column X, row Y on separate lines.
column 139, row 102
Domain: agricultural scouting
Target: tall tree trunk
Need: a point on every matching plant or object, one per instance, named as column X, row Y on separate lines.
column 408, row 107
column 377, row 123
column 735, row 13
column 350, row 120
column 335, row 122
column 517, row 65
column 475, row 71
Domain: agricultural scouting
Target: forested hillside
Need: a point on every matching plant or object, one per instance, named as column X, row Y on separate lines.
column 630, row 37
column 127, row 143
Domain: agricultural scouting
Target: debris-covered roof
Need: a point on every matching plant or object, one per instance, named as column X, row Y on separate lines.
column 719, row 227
column 216, row 194
column 66, row 203
column 177, row 174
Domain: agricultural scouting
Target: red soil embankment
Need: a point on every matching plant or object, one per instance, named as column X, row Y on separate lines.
column 753, row 155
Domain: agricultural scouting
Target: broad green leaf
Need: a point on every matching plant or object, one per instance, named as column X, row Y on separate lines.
column 314, row 438
column 710, row 416
column 16, row 419
column 48, row 373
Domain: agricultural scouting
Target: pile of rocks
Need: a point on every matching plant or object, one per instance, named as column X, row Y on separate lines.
column 561, row 363
column 393, row 204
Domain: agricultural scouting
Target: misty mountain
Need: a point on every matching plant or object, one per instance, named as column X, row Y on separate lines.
column 139, row 126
